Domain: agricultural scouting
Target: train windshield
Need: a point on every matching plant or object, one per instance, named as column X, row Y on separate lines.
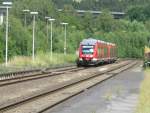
column 87, row 49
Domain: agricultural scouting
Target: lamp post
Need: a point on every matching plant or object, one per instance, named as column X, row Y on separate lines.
column 51, row 21
column 149, row 41
column 8, row 4
column 47, row 18
column 25, row 16
column 25, row 12
column 65, row 37
column 33, row 35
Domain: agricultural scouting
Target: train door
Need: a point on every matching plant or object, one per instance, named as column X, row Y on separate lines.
column 99, row 51
column 105, row 52
column 102, row 51
column 109, row 51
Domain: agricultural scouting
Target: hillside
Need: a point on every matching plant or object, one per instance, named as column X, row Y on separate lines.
column 114, row 5
column 130, row 34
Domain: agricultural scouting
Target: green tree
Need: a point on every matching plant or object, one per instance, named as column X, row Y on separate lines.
column 136, row 13
column 105, row 21
column 88, row 23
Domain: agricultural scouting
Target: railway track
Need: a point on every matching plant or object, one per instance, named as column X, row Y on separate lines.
column 17, row 74
column 36, row 75
column 44, row 100
column 23, row 76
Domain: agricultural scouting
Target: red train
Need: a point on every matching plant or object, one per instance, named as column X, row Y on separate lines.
column 94, row 52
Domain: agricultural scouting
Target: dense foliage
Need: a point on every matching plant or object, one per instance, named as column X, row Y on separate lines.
column 130, row 34
column 113, row 5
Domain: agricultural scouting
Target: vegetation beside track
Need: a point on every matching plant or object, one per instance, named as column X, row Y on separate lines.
column 43, row 59
column 144, row 98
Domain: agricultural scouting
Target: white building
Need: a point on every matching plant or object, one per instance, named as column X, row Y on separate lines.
column 2, row 14
column 1, row 18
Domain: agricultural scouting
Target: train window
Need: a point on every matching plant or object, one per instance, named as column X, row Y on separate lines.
column 112, row 52
column 99, row 51
column 105, row 52
column 87, row 49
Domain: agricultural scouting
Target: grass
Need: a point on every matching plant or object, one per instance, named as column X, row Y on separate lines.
column 144, row 98
column 41, row 60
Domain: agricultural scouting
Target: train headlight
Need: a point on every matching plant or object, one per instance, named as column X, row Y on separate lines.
column 94, row 59
column 80, row 59
column 91, row 55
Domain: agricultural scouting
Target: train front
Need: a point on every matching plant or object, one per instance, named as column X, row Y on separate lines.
column 87, row 53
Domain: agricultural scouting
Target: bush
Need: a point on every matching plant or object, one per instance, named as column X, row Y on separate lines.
column 42, row 60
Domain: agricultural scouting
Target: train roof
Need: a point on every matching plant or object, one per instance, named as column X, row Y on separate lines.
column 91, row 41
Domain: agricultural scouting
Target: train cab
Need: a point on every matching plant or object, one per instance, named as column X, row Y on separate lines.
column 93, row 52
